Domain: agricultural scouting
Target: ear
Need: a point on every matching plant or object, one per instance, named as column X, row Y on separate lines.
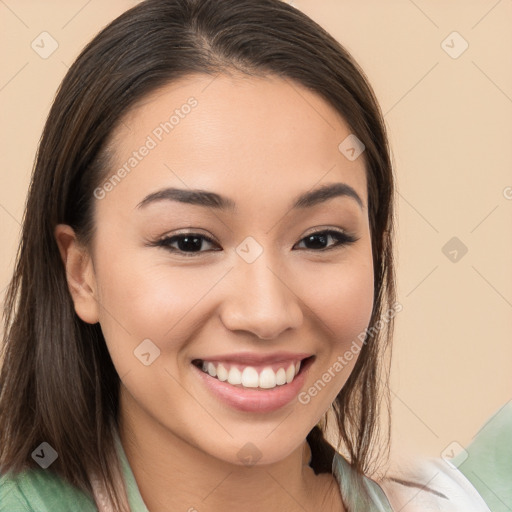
column 79, row 274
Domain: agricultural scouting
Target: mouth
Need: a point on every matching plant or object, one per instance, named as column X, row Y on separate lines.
column 266, row 376
column 258, row 388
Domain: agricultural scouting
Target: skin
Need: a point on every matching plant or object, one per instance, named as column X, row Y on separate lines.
column 261, row 142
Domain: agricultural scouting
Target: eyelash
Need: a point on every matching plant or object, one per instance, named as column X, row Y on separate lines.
column 342, row 238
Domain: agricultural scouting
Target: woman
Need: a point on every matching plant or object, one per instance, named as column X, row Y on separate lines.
column 205, row 275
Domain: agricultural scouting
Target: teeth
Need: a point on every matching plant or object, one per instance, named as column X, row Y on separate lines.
column 267, row 378
column 212, row 370
column 249, row 376
column 222, row 373
column 234, row 376
column 280, row 377
column 290, row 373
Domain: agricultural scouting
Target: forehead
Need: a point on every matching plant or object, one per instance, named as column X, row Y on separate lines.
column 234, row 134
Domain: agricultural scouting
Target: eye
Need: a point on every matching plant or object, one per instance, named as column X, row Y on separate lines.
column 318, row 241
column 186, row 243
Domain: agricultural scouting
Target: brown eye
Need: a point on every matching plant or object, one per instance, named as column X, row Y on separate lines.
column 319, row 241
column 187, row 243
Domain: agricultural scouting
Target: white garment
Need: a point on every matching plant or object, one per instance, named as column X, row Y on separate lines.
column 430, row 484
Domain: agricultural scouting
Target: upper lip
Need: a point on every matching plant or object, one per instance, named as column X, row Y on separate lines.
column 254, row 358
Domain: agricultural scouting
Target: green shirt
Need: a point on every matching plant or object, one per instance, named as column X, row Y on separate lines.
column 487, row 461
column 40, row 490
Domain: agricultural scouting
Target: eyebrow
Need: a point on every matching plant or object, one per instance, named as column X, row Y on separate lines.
column 213, row 200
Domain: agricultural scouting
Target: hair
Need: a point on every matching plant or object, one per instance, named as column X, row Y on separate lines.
column 57, row 382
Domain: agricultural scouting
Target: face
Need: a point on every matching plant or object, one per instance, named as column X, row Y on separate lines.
column 246, row 284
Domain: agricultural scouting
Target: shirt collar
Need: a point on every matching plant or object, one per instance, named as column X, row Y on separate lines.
column 132, row 490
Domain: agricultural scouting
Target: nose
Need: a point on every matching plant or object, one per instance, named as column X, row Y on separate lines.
column 260, row 301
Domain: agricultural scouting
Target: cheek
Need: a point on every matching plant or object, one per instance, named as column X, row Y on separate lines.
column 342, row 299
column 142, row 299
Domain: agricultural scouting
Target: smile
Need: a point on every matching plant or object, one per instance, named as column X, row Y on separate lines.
column 258, row 388
column 267, row 377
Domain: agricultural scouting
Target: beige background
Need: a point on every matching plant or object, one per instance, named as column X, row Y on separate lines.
column 450, row 125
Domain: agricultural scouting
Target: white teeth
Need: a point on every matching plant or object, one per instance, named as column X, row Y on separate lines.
column 290, row 373
column 267, row 378
column 280, row 377
column 222, row 373
column 249, row 376
column 211, row 370
column 235, row 376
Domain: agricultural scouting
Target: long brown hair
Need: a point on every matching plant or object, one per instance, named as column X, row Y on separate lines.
column 57, row 382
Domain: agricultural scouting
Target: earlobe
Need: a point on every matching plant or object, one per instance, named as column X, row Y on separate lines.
column 79, row 273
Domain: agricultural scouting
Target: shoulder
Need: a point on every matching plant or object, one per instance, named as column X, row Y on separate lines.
column 487, row 461
column 419, row 485
column 477, row 479
column 431, row 484
column 38, row 490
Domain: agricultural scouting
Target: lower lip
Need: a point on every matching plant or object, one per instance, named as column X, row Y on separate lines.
column 255, row 399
